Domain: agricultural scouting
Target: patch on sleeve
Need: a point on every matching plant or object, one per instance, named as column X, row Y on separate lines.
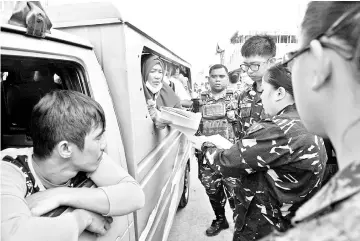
column 254, row 128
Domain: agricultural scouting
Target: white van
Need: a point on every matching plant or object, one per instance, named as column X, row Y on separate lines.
column 32, row 65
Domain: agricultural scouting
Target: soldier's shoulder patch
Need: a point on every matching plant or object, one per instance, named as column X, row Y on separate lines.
column 254, row 128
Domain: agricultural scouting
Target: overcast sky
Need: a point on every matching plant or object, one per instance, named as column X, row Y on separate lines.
column 192, row 28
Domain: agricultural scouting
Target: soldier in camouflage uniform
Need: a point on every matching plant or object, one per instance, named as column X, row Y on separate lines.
column 332, row 91
column 279, row 164
column 219, row 108
column 258, row 53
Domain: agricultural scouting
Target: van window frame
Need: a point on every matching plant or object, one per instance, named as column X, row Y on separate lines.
column 72, row 68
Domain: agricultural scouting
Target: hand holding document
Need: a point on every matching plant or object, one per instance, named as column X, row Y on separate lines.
column 188, row 123
column 219, row 141
column 185, row 121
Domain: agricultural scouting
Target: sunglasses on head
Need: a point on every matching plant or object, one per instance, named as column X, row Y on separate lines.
column 346, row 19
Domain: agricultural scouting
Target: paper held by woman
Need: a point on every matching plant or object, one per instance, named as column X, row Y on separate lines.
column 185, row 121
column 219, row 141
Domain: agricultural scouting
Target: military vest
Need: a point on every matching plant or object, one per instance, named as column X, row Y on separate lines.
column 220, row 116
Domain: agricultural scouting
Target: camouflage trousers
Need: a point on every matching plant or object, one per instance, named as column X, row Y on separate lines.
column 217, row 188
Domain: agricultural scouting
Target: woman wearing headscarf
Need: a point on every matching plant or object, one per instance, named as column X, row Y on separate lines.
column 157, row 93
column 279, row 163
column 326, row 79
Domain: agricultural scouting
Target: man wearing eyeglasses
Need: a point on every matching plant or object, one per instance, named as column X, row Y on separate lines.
column 258, row 53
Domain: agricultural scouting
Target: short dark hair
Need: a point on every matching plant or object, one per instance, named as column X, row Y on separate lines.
column 320, row 15
column 64, row 115
column 279, row 76
column 234, row 78
column 218, row 66
column 173, row 71
column 261, row 45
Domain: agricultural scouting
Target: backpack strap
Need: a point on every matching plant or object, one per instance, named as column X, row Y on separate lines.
column 21, row 162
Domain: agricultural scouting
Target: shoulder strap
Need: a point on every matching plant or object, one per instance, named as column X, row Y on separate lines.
column 22, row 164
column 229, row 93
column 204, row 96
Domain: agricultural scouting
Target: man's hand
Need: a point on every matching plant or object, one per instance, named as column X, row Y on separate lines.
column 45, row 201
column 92, row 222
column 99, row 224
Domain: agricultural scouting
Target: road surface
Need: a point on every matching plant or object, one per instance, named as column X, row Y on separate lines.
column 191, row 222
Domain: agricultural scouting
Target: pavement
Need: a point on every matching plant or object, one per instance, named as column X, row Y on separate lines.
column 191, row 222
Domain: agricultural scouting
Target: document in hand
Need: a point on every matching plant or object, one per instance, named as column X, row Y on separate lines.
column 182, row 120
column 219, row 141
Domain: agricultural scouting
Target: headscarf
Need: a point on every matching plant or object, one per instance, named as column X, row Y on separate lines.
column 166, row 96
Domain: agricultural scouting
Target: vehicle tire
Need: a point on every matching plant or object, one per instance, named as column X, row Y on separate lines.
column 186, row 192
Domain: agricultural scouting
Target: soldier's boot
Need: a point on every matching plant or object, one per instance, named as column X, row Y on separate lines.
column 218, row 224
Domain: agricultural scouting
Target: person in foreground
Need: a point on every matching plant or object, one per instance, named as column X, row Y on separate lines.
column 279, row 164
column 157, row 93
column 68, row 133
column 326, row 79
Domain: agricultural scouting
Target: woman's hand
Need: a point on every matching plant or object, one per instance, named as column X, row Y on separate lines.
column 45, row 201
column 155, row 115
column 197, row 141
column 160, row 123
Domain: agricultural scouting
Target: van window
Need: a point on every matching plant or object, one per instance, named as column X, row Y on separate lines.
column 23, row 82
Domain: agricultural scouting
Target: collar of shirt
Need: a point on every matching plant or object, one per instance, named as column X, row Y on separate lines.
column 344, row 184
column 287, row 109
column 36, row 177
column 254, row 94
column 217, row 97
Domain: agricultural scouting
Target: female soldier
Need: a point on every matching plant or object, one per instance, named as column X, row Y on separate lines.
column 156, row 93
column 326, row 79
column 280, row 164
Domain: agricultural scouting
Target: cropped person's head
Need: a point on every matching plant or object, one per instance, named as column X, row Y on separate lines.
column 153, row 71
column 277, row 89
column 326, row 69
column 69, row 125
column 234, row 78
column 175, row 72
column 258, row 54
column 218, row 77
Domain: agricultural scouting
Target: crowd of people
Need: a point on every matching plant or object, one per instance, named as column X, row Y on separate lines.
column 275, row 175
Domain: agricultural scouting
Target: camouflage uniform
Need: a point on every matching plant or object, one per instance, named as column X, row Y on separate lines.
column 333, row 214
column 279, row 165
column 250, row 108
column 220, row 116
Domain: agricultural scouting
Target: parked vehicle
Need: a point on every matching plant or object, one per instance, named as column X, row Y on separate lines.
column 104, row 62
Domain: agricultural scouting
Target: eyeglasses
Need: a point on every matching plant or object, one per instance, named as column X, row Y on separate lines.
column 342, row 22
column 253, row 67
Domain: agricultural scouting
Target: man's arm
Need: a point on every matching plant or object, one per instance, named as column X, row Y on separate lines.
column 17, row 222
column 118, row 192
